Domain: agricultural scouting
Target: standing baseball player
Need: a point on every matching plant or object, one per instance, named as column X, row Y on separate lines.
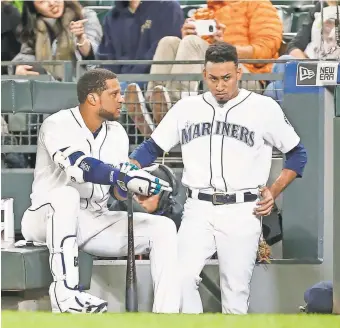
column 226, row 137
column 82, row 157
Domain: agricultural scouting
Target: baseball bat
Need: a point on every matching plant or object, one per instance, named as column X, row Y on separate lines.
column 131, row 299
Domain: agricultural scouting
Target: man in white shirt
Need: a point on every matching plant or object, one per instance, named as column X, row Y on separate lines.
column 226, row 137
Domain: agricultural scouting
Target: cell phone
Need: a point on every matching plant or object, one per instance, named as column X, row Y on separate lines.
column 205, row 27
column 38, row 68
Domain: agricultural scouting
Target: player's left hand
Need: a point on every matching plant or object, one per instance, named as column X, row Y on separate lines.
column 140, row 181
column 265, row 205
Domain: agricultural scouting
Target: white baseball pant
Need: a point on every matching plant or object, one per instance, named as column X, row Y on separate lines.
column 231, row 230
column 60, row 222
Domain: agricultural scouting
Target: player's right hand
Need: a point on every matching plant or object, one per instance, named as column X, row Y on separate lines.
column 141, row 182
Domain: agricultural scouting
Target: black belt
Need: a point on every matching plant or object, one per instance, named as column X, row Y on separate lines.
column 223, row 199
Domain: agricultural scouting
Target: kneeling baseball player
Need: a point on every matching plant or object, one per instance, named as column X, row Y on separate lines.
column 83, row 156
column 226, row 137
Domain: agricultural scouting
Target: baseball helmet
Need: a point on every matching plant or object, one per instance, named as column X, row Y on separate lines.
column 167, row 205
column 167, row 197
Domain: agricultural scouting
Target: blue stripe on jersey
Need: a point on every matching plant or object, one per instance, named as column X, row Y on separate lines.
column 296, row 159
column 146, row 153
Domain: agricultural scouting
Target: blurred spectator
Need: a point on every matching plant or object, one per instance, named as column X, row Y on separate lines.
column 10, row 25
column 56, row 30
column 11, row 160
column 308, row 41
column 132, row 30
column 313, row 40
column 254, row 27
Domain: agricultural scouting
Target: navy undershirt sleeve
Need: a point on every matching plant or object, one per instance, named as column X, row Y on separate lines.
column 296, row 159
column 146, row 153
column 95, row 171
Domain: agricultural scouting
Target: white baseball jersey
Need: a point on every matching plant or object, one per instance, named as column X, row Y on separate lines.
column 226, row 147
column 66, row 128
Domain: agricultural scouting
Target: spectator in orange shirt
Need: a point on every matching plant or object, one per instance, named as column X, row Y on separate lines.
column 254, row 27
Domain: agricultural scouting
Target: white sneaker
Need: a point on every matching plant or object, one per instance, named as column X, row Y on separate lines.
column 136, row 108
column 77, row 302
column 160, row 102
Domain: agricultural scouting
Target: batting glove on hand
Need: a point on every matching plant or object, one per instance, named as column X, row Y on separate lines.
column 140, row 182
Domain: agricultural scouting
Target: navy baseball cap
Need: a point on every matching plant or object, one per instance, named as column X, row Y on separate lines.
column 319, row 298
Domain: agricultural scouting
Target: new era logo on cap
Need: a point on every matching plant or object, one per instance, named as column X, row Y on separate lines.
column 306, row 74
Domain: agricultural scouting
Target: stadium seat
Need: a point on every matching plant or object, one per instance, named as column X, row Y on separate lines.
column 286, row 15
column 189, row 10
column 97, row 3
column 306, row 7
column 101, row 15
column 16, row 96
column 292, row 3
column 42, row 91
column 101, row 11
column 192, row 2
column 298, row 19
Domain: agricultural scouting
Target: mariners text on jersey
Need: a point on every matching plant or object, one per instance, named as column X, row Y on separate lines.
column 226, row 147
column 236, row 131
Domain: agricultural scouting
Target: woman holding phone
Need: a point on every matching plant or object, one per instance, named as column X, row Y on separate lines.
column 56, row 30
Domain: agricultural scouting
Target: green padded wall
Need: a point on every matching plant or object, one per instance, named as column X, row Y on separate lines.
column 336, row 226
column 49, row 97
column 44, row 97
column 16, row 96
column 337, row 100
column 17, row 184
column 28, row 268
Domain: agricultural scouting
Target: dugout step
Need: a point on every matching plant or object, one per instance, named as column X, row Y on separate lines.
column 27, row 268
